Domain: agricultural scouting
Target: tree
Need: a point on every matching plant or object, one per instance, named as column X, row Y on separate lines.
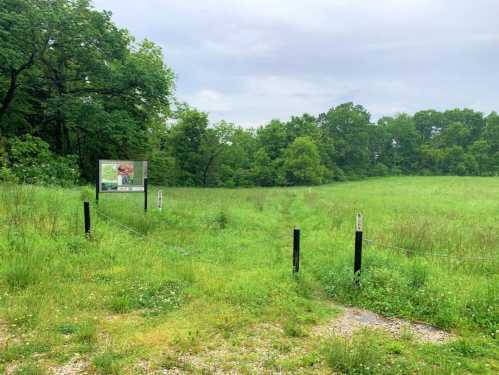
column 25, row 36
column 428, row 123
column 273, row 138
column 90, row 89
column 185, row 143
column 302, row 164
column 347, row 125
column 262, row 171
column 404, row 139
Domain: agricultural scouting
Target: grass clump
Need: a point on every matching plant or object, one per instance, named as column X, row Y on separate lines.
column 109, row 363
column 21, row 274
column 360, row 356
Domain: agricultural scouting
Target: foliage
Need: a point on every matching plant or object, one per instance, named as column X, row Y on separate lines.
column 71, row 77
column 302, row 162
column 79, row 82
column 31, row 161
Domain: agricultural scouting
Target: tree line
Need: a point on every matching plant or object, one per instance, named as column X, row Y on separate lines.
column 74, row 87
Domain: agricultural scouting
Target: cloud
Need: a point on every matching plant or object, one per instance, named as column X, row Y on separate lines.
column 249, row 61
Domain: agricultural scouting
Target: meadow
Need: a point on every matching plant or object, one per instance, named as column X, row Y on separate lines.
column 206, row 285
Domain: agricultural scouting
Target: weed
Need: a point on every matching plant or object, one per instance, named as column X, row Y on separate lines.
column 154, row 298
column 417, row 275
column 293, row 328
column 67, row 328
column 221, row 219
column 109, row 363
column 187, row 343
column 86, row 333
column 361, row 355
column 21, row 274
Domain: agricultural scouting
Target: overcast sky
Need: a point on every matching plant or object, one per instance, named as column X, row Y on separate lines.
column 249, row 61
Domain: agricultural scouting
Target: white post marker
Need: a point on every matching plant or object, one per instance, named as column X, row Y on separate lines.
column 358, row 226
column 160, row 200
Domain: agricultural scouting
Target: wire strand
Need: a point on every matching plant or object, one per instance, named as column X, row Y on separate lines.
column 370, row 242
column 126, row 227
column 134, row 231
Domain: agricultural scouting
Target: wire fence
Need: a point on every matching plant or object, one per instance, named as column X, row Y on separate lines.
column 371, row 242
column 118, row 223
column 368, row 242
column 136, row 232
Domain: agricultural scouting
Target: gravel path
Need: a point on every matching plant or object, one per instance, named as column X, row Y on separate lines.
column 353, row 319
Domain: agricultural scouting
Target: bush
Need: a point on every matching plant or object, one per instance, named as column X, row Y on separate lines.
column 31, row 161
column 380, row 170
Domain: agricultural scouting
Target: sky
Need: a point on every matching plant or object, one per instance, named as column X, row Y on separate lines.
column 250, row 61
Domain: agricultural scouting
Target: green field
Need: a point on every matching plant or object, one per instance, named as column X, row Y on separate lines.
column 206, row 285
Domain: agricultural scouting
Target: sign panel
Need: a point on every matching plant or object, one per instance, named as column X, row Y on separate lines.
column 121, row 176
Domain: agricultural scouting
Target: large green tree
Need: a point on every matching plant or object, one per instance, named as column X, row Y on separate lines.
column 82, row 84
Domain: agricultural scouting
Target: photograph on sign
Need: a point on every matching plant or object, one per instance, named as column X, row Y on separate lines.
column 117, row 176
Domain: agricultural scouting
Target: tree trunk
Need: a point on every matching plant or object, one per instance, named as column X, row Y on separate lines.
column 9, row 96
column 11, row 92
column 206, row 169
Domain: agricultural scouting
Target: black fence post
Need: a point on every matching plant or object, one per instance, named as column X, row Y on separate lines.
column 358, row 249
column 296, row 250
column 97, row 183
column 145, row 194
column 86, row 215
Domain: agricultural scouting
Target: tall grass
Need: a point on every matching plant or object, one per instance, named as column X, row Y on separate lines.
column 218, row 262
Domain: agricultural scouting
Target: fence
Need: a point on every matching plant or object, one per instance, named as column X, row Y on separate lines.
column 358, row 245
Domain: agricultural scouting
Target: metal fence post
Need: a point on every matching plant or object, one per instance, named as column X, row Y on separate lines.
column 296, row 250
column 358, row 248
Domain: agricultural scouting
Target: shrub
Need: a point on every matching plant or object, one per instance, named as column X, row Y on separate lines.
column 380, row 170
column 31, row 161
column 6, row 175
